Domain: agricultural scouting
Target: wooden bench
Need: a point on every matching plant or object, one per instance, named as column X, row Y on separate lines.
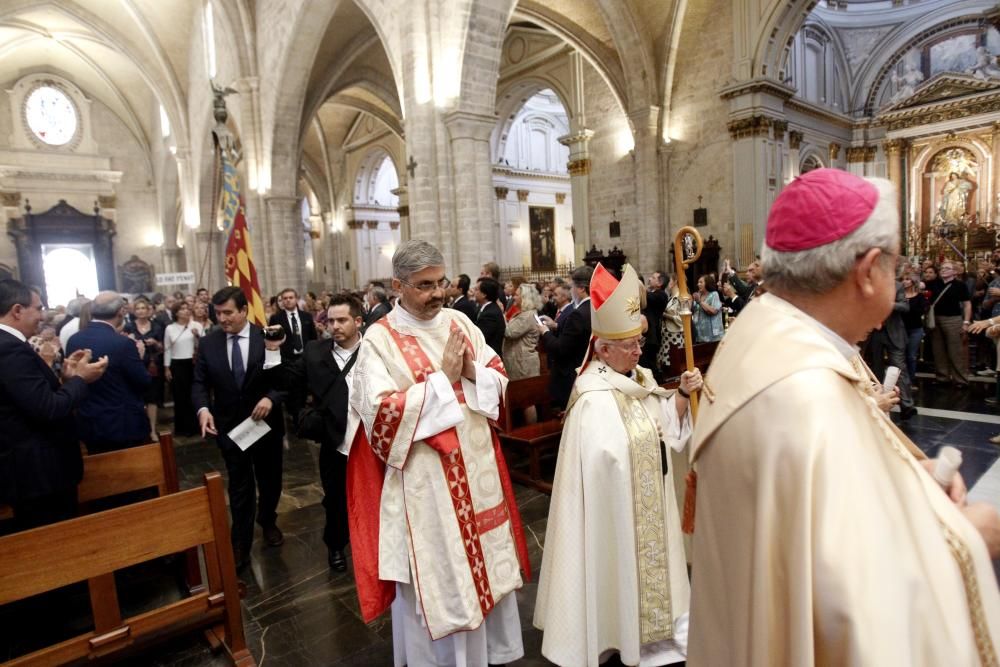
column 132, row 469
column 703, row 353
column 124, row 470
column 529, row 439
column 93, row 547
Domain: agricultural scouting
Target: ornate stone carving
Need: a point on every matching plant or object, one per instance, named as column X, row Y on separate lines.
column 859, row 43
column 794, row 139
column 855, row 154
column 107, row 201
column 579, row 167
column 892, row 146
column 501, row 192
column 372, row 224
column 12, row 199
column 355, row 224
column 780, row 127
column 404, row 211
column 560, row 197
column 834, row 150
column 870, row 153
column 394, row 224
column 752, row 126
column 522, row 195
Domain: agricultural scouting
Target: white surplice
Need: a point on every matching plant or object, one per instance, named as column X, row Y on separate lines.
column 444, row 531
column 590, row 590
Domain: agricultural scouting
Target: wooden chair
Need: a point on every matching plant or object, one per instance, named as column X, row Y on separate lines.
column 529, row 439
column 93, row 547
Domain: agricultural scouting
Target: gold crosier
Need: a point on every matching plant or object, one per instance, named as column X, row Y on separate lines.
column 684, row 296
column 682, row 261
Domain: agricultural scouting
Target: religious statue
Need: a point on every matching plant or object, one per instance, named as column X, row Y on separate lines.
column 985, row 67
column 954, row 198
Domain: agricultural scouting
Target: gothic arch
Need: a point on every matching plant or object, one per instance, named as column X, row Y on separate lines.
column 367, row 173
column 512, row 97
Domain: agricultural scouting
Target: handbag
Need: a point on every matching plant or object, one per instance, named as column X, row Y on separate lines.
column 929, row 321
column 312, row 418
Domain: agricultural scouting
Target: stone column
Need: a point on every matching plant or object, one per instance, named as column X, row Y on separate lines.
column 210, row 257
column 992, row 209
column 333, row 264
column 173, row 260
column 893, row 149
column 755, row 185
column 794, row 143
column 856, row 160
column 283, row 233
column 473, row 193
column 579, row 181
column 403, row 208
column 650, row 250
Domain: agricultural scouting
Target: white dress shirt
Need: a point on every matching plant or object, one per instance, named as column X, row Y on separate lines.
column 14, row 332
column 295, row 322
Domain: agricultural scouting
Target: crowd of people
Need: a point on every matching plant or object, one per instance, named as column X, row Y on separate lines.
column 814, row 512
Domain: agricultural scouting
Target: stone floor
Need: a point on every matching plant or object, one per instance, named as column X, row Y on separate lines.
column 298, row 612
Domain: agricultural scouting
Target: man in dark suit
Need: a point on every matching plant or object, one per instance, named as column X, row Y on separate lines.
column 490, row 318
column 325, row 369
column 244, row 375
column 890, row 341
column 462, row 302
column 567, row 349
column 656, row 303
column 40, row 463
column 113, row 415
column 378, row 305
column 298, row 325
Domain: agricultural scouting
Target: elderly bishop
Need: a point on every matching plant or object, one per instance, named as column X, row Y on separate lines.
column 614, row 573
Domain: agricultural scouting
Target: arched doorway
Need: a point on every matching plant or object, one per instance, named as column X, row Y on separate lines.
column 375, row 213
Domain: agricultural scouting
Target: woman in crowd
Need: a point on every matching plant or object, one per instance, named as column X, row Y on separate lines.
column 671, row 326
column 200, row 315
column 520, row 356
column 180, row 342
column 707, row 311
column 148, row 331
column 914, row 321
column 731, row 300
column 510, row 291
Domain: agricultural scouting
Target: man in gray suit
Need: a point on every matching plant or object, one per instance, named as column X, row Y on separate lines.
column 889, row 341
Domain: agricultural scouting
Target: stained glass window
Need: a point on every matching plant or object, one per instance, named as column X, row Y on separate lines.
column 51, row 116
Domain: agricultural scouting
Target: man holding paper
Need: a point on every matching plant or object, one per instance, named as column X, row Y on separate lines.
column 238, row 378
column 820, row 538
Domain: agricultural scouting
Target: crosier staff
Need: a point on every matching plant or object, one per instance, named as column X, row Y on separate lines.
column 684, row 296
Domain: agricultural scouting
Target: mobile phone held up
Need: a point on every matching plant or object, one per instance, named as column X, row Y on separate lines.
column 275, row 332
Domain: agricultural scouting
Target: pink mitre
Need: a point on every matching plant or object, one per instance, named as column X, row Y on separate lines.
column 817, row 208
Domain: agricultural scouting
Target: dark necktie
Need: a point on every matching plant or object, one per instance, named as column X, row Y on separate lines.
column 239, row 371
column 295, row 331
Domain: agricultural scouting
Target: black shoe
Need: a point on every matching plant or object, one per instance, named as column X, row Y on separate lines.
column 907, row 412
column 337, row 561
column 241, row 557
column 273, row 536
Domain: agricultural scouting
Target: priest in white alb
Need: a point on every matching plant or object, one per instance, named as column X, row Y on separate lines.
column 614, row 573
column 435, row 531
column 820, row 538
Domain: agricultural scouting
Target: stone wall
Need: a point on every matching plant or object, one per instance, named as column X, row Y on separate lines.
column 700, row 153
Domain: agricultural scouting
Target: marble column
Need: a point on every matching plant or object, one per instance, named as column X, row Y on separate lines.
column 756, row 181
column 403, row 208
column 579, row 182
column 856, row 160
column 893, row 149
column 173, row 260
column 992, row 210
column 794, row 143
column 472, row 170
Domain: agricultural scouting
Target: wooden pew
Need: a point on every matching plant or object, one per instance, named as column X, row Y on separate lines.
column 703, row 353
column 529, row 439
column 93, row 547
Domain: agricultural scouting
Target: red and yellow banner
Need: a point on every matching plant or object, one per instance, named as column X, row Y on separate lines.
column 240, row 271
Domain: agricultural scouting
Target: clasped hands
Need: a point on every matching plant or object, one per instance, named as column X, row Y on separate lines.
column 457, row 359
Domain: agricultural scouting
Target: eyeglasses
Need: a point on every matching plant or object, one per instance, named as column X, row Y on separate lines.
column 632, row 345
column 428, row 286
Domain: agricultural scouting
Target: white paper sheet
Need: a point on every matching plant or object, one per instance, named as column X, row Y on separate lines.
column 248, row 432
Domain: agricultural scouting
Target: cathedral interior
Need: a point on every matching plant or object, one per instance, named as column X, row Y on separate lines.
column 519, row 132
